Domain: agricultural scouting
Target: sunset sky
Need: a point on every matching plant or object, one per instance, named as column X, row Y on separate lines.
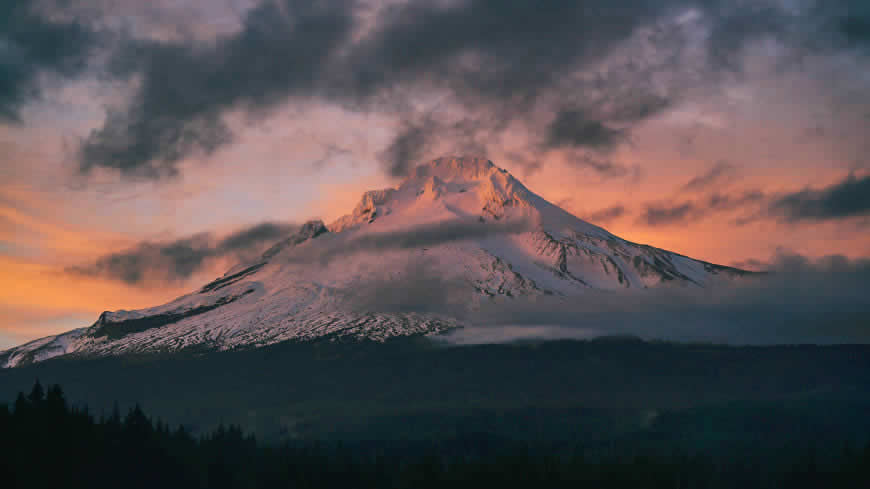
column 725, row 130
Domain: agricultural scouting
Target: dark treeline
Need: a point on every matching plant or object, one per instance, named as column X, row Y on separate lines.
column 697, row 397
column 46, row 442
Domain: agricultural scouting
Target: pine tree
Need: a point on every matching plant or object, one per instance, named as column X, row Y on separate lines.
column 37, row 394
column 55, row 400
column 22, row 405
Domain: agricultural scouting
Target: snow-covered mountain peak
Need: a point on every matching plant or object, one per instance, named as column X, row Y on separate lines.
column 455, row 169
column 467, row 186
column 463, row 174
column 487, row 235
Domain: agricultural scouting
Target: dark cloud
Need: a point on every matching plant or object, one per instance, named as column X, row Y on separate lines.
column 185, row 89
column 602, row 127
column 605, row 215
column 848, row 198
column 501, row 61
column 150, row 263
column 521, row 47
column 407, row 148
column 667, row 213
column 725, row 202
column 856, row 28
column 435, row 234
column 719, row 172
column 31, row 44
column 574, row 128
column 576, row 75
column 494, row 58
column 737, row 23
column 243, row 240
column 415, row 286
column 157, row 263
column 164, row 262
column 427, row 138
column 413, row 237
column 662, row 213
column 604, row 167
column 799, row 301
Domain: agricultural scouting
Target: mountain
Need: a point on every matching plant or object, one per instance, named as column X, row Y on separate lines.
column 457, row 232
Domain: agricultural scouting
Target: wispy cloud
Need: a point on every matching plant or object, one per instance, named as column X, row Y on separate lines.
column 720, row 172
column 681, row 212
column 343, row 244
column 605, row 215
column 848, row 198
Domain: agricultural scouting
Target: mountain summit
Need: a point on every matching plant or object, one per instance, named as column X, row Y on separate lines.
column 461, row 228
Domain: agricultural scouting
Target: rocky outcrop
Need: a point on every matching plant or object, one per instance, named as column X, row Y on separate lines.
column 369, row 208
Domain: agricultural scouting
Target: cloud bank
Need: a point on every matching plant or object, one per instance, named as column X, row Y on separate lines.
column 154, row 264
column 800, row 301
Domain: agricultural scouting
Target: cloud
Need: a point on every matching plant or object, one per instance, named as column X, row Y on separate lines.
column 575, row 128
column 243, row 240
column 572, row 76
column 413, row 286
column 663, row 213
column 429, row 136
column 32, row 44
column 160, row 20
column 725, row 202
column 666, row 213
column 848, row 198
column 150, row 263
column 605, row 215
column 604, row 167
column 753, row 264
column 856, row 28
column 185, row 89
column 496, row 61
column 800, row 301
column 738, row 23
column 413, row 237
column 719, row 172
column 407, row 148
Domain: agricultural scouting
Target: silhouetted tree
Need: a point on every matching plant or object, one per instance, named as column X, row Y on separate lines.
column 55, row 400
column 37, row 394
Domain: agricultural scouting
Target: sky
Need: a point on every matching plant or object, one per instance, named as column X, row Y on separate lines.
column 198, row 132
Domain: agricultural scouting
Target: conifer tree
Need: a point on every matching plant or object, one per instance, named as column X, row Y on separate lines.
column 37, row 394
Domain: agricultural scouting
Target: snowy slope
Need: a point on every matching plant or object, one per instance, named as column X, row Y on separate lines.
column 488, row 237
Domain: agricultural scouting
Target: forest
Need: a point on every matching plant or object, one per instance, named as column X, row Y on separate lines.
column 49, row 442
